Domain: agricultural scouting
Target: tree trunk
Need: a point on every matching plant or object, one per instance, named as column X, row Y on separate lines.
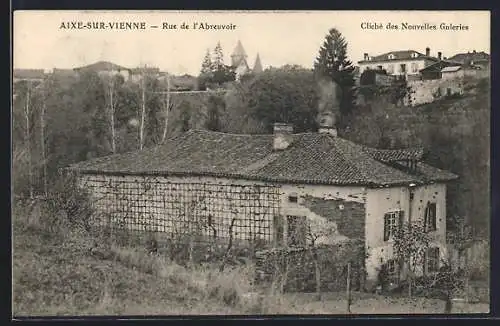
column 167, row 110
column 348, row 288
column 42, row 144
column 143, row 113
column 27, row 112
column 318, row 277
column 112, row 113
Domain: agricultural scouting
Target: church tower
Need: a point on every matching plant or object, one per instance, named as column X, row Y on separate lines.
column 257, row 67
column 239, row 55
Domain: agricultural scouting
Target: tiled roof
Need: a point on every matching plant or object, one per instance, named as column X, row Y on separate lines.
column 399, row 55
column 102, row 66
column 313, row 158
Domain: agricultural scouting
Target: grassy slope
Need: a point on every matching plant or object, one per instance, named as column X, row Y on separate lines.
column 55, row 274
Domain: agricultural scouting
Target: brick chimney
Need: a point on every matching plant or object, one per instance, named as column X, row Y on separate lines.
column 439, row 55
column 427, row 51
column 283, row 135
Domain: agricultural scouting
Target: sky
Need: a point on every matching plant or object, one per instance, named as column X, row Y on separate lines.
column 291, row 37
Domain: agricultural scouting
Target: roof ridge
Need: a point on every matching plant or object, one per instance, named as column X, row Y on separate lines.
column 354, row 163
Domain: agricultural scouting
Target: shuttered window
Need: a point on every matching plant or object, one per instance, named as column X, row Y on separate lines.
column 392, row 220
column 430, row 217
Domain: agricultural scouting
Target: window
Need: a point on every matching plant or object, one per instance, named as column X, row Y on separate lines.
column 293, row 198
column 278, row 229
column 391, row 56
column 380, row 67
column 432, row 260
column 403, row 68
column 390, row 69
column 430, row 217
column 392, row 221
column 414, row 55
column 392, row 268
column 296, row 230
column 414, row 67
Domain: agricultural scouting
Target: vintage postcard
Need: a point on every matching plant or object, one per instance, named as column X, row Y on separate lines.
column 250, row 162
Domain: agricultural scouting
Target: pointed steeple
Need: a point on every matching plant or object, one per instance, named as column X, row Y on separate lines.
column 238, row 55
column 257, row 67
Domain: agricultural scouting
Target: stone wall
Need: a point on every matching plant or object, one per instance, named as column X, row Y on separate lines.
column 427, row 91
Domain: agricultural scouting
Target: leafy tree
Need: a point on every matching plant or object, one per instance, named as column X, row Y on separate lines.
column 216, row 107
column 283, row 96
column 206, row 65
column 411, row 242
column 218, row 59
column 332, row 62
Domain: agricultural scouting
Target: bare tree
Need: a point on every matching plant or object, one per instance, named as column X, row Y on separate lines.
column 166, row 109
column 43, row 109
column 143, row 107
column 27, row 113
column 110, row 91
column 316, row 229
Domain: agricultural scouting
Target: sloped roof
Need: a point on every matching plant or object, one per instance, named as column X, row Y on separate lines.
column 451, row 69
column 313, row 158
column 239, row 50
column 29, row 73
column 399, row 55
column 257, row 67
column 436, row 67
column 102, row 66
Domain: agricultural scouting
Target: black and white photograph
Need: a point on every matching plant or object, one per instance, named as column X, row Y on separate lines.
column 255, row 163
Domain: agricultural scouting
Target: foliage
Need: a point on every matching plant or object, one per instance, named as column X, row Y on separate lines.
column 332, row 62
column 282, row 96
column 411, row 242
column 214, row 73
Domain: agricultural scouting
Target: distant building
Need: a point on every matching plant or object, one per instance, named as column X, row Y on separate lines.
column 407, row 63
column 434, row 70
column 240, row 64
column 136, row 74
column 105, row 68
column 34, row 75
column 479, row 59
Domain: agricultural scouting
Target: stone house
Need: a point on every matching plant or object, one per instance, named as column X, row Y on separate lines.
column 268, row 188
column 405, row 63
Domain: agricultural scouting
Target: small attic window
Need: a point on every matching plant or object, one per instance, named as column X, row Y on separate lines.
column 414, row 55
column 391, row 56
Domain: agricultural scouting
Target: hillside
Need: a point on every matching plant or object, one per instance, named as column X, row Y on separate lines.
column 59, row 270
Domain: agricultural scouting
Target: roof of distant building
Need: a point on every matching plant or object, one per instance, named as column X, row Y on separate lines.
column 313, row 158
column 470, row 56
column 102, row 66
column 451, row 69
column 399, row 55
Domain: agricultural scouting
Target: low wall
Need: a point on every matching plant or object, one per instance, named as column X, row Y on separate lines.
column 295, row 267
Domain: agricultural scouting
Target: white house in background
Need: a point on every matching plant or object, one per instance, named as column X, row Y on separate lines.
column 399, row 63
column 270, row 185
